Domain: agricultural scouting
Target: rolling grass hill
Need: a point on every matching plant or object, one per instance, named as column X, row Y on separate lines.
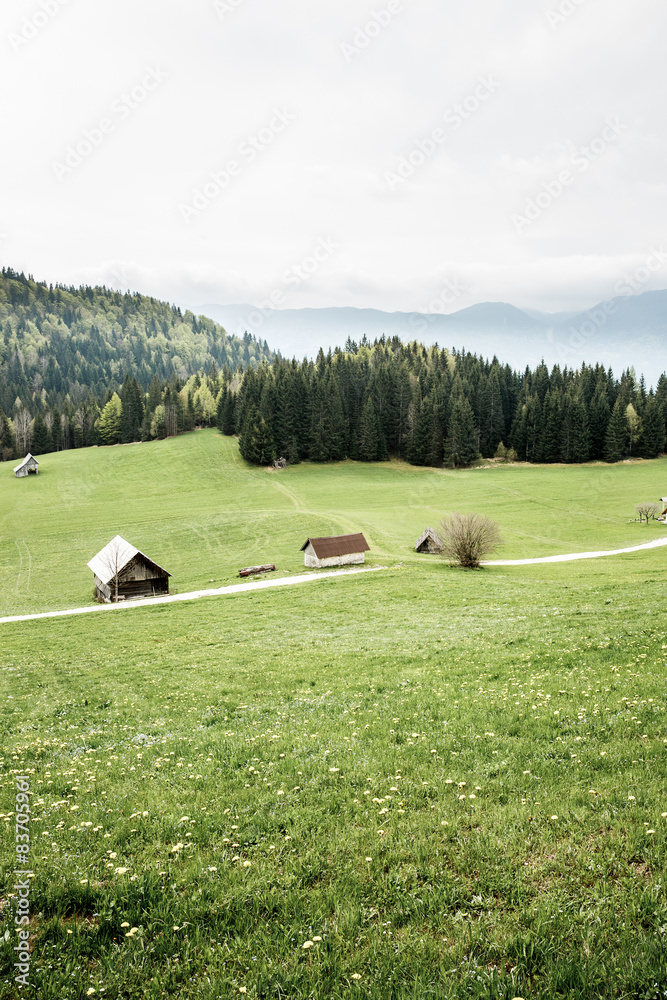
column 422, row 782
column 199, row 510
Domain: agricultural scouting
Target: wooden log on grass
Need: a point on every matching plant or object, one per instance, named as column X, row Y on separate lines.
column 251, row 570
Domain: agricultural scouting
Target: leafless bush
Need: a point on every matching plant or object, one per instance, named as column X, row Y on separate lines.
column 467, row 538
column 647, row 511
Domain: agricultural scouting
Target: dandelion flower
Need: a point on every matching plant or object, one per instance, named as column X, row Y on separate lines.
column 176, row 848
column 307, row 944
column 650, row 831
column 90, row 991
column 554, row 817
column 247, row 864
column 369, row 859
column 242, row 989
column 316, row 937
column 125, row 924
column 355, row 975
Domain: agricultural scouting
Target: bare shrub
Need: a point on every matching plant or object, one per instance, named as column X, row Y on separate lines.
column 467, row 538
column 647, row 511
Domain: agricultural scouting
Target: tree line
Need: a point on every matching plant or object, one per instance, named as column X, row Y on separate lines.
column 433, row 406
column 429, row 406
column 125, row 413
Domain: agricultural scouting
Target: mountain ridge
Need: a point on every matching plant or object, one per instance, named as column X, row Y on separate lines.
column 621, row 332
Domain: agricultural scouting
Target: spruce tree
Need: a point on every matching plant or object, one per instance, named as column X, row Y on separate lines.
column 553, row 427
column 370, row 446
column 598, row 418
column 41, row 438
column 653, row 438
column 615, row 444
column 491, row 417
column 7, row 439
column 461, row 441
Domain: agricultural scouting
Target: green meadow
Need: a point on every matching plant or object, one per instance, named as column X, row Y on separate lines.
column 419, row 782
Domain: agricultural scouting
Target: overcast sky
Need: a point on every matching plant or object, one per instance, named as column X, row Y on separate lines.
column 336, row 152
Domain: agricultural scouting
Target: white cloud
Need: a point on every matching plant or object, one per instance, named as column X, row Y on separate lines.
column 326, row 173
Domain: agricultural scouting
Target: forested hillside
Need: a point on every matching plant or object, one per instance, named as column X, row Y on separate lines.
column 92, row 366
column 432, row 406
column 56, row 341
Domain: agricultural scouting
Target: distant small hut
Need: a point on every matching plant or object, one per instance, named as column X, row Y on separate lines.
column 339, row 550
column 28, row 467
column 429, row 541
column 122, row 572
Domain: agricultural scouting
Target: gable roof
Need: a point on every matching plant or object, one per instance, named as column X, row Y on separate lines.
column 429, row 533
column 114, row 557
column 28, row 458
column 338, row 545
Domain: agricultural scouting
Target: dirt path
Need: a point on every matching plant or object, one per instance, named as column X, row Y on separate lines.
column 238, row 588
column 656, row 543
column 235, row 588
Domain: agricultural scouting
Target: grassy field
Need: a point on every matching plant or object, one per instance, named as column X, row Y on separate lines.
column 194, row 506
column 422, row 782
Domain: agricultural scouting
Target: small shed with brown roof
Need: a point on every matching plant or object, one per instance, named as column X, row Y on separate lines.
column 339, row 550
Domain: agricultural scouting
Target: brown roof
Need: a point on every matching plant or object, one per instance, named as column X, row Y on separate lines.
column 339, row 545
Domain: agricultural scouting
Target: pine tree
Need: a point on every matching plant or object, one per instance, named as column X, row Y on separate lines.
column 256, row 442
column 41, row 438
column 461, row 442
column 599, row 414
column 616, row 439
column 575, row 438
column 7, row 439
column 491, row 417
column 653, row 438
column 370, row 442
column 57, row 431
column 553, row 427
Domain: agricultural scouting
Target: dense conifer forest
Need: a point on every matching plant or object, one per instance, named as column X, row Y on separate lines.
column 92, row 366
column 431, row 406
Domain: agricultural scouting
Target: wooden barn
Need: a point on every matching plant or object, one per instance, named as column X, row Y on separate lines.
column 28, row 467
column 340, row 550
column 122, row 572
column 429, row 541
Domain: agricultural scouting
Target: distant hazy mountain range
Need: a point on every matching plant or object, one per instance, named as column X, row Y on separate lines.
column 628, row 330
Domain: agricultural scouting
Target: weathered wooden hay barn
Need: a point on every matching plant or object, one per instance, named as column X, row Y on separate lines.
column 340, row 550
column 122, row 572
column 28, row 467
column 429, row 541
